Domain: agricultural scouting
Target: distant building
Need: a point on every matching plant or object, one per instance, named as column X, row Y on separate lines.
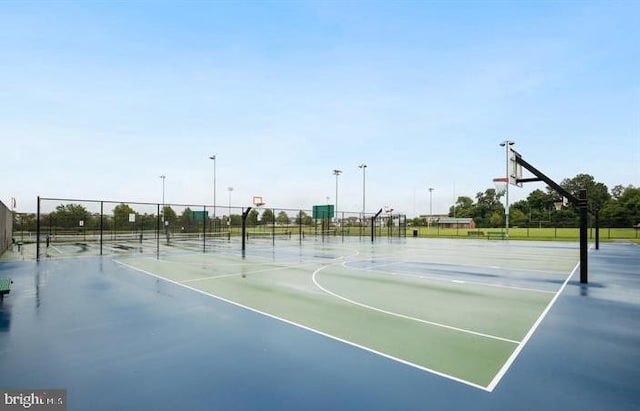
column 453, row 222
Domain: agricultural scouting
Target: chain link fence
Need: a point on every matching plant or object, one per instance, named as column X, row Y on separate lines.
column 72, row 227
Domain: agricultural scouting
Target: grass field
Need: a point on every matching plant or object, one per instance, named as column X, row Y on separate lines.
column 515, row 233
column 532, row 233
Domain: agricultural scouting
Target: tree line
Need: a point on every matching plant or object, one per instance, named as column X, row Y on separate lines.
column 618, row 207
column 123, row 217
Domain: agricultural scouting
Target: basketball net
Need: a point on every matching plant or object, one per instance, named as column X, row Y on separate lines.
column 559, row 204
column 501, row 184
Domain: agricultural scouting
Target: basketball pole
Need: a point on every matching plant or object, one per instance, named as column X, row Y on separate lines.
column 507, row 144
column 245, row 214
column 581, row 203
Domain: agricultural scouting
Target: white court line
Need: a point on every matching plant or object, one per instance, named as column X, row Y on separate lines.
column 514, row 355
column 369, row 307
column 214, row 277
column 281, row 267
column 313, row 330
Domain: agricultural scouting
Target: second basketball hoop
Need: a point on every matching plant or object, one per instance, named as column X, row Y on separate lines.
column 258, row 201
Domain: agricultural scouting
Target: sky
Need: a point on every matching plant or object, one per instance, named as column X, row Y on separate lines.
column 100, row 98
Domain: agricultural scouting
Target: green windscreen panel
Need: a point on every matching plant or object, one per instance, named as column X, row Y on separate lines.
column 323, row 211
column 199, row 216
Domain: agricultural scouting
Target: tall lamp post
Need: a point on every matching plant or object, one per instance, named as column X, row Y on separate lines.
column 230, row 189
column 337, row 173
column 507, row 147
column 163, row 177
column 364, row 169
column 430, row 208
column 213, row 157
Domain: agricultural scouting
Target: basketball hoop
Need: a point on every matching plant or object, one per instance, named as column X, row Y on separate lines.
column 257, row 201
column 559, row 204
column 501, row 184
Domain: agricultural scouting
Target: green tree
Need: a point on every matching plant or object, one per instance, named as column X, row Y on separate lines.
column 236, row 220
column 517, row 217
column 169, row 214
column 121, row 216
column 540, row 205
column 462, row 208
column 487, row 204
column 24, row 222
column 267, row 216
column 496, row 219
column 616, row 191
column 283, row 218
column 630, row 201
column 597, row 193
column 69, row 216
column 252, row 218
column 186, row 221
column 417, row 221
column 303, row 218
column 522, row 206
column 623, row 209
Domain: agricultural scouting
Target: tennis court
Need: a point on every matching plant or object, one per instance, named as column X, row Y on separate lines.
column 336, row 324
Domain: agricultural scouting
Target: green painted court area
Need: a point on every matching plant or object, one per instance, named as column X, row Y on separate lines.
column 459, row 309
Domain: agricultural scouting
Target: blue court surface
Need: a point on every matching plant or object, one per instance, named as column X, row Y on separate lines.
column 198, row 331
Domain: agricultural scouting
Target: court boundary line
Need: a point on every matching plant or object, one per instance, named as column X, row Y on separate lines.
column 282, row 266
column 507, row 365
column 304, row 327
column 406, row 317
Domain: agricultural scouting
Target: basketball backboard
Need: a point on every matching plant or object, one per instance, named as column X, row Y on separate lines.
column 514, row 168
column 258, row 201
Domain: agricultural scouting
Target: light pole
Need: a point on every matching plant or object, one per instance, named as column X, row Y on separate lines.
column 230, row 189
column 364, row 169
column 163, row 177
column 430, row 208
column 337, row 173
column 213, row 157
column 507, row 147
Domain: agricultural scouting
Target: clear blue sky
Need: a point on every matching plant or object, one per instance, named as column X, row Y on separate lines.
column 98, row 99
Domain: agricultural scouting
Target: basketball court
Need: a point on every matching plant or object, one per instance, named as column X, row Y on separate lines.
column 405, row 324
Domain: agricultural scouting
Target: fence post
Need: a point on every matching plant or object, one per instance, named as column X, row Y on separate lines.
column 204, row 228
column 38, row 231
column 101, row 223
column 597, row 229
column 157, row 232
